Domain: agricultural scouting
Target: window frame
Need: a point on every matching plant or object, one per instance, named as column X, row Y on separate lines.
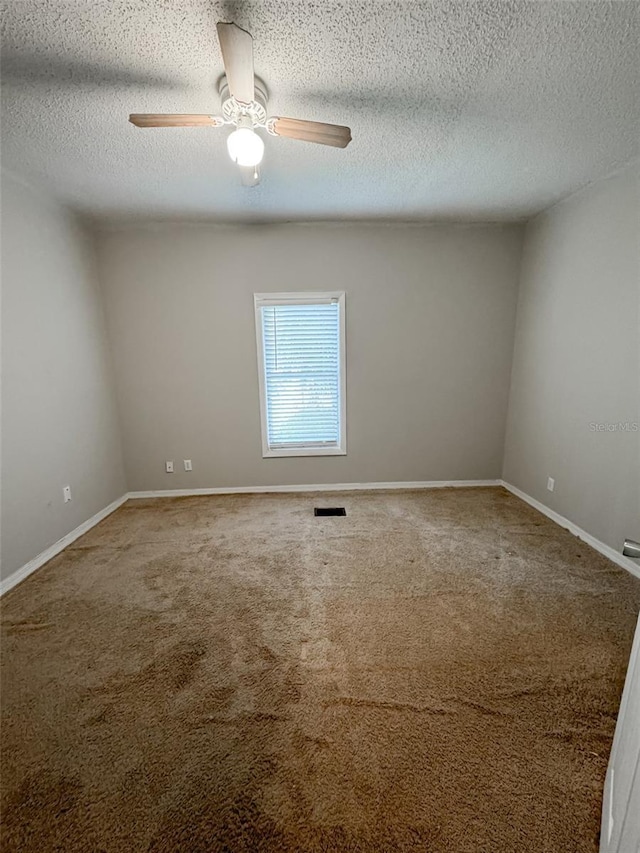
column 302, row 298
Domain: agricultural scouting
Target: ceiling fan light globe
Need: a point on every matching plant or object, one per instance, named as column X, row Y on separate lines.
column 245, row 147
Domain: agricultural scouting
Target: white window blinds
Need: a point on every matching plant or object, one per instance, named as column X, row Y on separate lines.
column 300, row 342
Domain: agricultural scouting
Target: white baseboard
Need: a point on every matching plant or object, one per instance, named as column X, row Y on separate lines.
column 606, row 550
column 61, row 544
column 50, row 552
column 316, row 487
column 46, row 555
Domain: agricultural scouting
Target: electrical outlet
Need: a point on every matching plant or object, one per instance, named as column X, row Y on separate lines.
column 66, row 493
column 187, row 465
column 551, row 484
column 168, row 466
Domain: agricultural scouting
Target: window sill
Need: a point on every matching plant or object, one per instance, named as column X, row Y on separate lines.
column 272, row 453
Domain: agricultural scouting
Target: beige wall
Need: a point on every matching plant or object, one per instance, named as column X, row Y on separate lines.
column 59, row 422
column 577, row 363
column 430, row 320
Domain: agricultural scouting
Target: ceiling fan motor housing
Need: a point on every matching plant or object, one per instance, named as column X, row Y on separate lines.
column 236, row 112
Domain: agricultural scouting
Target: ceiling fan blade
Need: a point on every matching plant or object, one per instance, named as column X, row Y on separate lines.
column 311, row 131
column 174, row 120
column 237, row 54
column 249, row 176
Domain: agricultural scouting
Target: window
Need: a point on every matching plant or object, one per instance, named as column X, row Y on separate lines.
column 301, row 369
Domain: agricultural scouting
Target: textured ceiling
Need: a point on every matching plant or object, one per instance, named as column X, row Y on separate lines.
column 472, row 110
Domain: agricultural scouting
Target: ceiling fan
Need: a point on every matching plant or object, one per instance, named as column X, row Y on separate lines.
column 244, row 102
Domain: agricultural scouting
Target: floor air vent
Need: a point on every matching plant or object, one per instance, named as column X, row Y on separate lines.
column 329, row 510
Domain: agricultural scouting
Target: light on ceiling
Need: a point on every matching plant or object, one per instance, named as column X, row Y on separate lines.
column 245, row 147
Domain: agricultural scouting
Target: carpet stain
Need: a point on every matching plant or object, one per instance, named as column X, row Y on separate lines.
column 229, row 674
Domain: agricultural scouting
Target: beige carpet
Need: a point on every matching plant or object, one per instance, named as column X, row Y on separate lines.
column 439, row 671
